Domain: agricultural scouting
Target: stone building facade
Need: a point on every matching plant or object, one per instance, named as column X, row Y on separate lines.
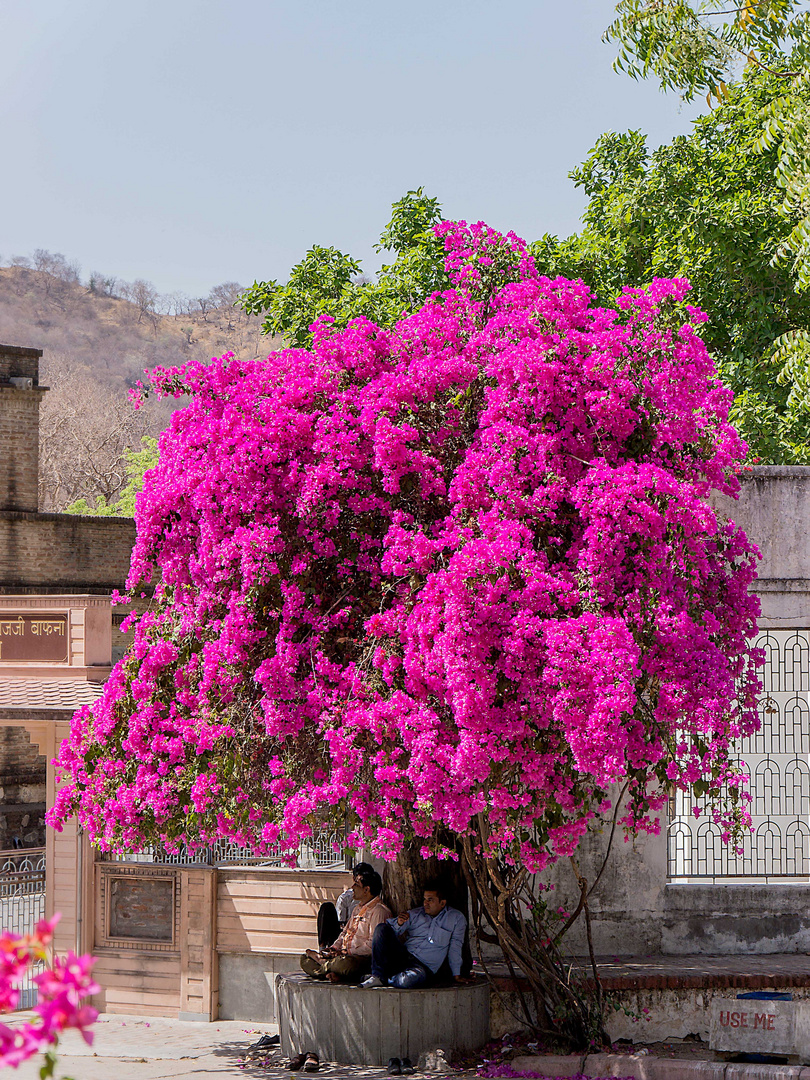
column 193, row 938
column 56, row 575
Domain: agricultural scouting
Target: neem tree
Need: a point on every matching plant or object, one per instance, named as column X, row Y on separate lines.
column 455, row 583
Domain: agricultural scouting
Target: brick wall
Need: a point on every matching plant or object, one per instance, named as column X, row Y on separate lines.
column 19, row 428
column 16, row 360
column 64, row 551
column 19, row 447
column 22, row 789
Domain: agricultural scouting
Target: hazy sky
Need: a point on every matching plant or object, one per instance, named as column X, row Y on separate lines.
column 192, row 142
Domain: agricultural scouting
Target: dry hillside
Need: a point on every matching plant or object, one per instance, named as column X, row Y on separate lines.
column 98, row 337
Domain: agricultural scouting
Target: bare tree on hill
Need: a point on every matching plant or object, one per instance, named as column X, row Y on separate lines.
column 55, row 265
column 98, row 338
column 102, row 284
column 85, row 427
column 144, row 297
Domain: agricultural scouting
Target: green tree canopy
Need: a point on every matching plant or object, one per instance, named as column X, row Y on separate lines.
column 701, row 47
column 706, row 207
column 327, row 282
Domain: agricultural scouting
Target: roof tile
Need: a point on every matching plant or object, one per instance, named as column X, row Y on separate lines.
column 22, row 693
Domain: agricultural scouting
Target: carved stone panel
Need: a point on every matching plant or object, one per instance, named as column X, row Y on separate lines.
column 141, row 908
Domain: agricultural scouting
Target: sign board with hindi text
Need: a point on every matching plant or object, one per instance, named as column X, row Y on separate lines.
column 42, row 637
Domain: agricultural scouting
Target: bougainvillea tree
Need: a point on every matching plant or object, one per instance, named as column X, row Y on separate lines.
column 453, row 584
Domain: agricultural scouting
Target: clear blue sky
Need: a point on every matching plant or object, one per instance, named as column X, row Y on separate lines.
column 192, row 142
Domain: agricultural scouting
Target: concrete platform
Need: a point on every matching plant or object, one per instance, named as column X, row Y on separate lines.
column 656, row 998
column 353, row 1026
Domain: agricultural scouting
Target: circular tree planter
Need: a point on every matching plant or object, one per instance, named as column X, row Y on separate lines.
column 350, row 1025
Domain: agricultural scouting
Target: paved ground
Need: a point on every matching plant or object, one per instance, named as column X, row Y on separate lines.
column 152, row 1048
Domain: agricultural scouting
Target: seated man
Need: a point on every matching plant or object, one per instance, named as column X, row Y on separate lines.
column 350, row 956
column 409, row 949
column 332, row 918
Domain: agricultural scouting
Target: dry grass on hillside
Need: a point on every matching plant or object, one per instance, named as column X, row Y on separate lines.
column 97, row 341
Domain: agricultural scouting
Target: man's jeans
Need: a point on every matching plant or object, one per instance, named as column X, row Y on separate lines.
column 393, row 964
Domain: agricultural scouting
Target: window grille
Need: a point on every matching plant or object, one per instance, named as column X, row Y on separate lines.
column 776, row 760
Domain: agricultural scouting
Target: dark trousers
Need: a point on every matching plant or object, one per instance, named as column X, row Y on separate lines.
column 328, row 925
column 390, row 960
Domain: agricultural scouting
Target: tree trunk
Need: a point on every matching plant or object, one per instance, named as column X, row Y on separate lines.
column 560, row 1000
column 404, row 882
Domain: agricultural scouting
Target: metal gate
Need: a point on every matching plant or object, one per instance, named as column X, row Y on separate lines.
column 776, row 760
column 22, row 903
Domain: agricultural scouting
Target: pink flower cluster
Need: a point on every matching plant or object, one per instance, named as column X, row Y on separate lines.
column 61, row 990
column 459, row 576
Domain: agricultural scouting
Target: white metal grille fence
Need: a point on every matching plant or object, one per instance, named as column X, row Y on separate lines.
column 324, row 852
column 776, row 760
column 22, row 903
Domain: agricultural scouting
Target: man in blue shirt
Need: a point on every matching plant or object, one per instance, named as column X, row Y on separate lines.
column 409, row 949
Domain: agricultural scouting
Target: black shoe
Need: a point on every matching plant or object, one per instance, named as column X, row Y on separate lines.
column 407, row 1067
column 263, row 1046
column 394, row 1067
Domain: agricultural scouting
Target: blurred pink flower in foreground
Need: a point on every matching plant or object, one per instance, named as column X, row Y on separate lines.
column 61, row 990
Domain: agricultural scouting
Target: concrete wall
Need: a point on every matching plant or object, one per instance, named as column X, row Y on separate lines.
column 265, row 919
column 636, row 910
column 774, row 510
column 247, row 985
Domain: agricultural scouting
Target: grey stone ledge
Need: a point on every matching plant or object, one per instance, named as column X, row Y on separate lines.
column 781, row 585
column 763, row 472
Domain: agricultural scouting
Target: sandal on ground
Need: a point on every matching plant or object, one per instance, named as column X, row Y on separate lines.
column 297, row 1062
column 312, row 1064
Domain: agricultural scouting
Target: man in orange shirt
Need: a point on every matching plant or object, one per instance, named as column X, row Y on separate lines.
column 349, row 959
